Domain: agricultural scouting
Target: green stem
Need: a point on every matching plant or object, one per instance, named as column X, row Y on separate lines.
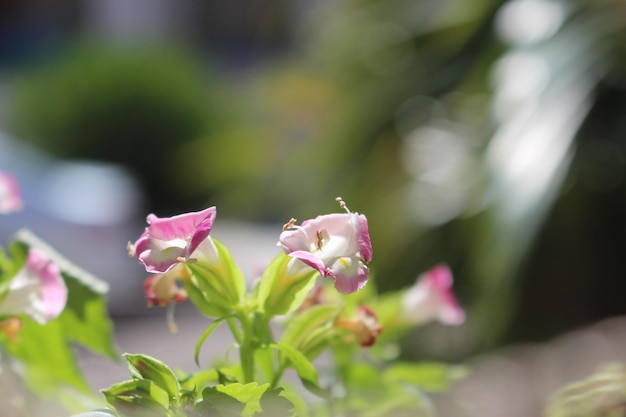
column 233, row 329
column 278, row 375
column 246, row 348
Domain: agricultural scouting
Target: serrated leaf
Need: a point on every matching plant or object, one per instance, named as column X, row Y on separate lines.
column 149, row 368
column 197, row 381
column 248, row 394
column 279, row 293
column 138, row 397
column 429, row 376
column 218, row 404
column 303, row 367
column 275, row 404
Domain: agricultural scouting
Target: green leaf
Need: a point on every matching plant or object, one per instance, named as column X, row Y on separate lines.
column 137, row 398
column 197, row 381
column 233, row 274
column 218, row 404
column 248, row 394
column 146, row 367
column 85, row 319
column 429, row 376
column 303, row 367
column 199, row 299
column 222, row 283
column 275, row 404
column 11, row 264
column 310, row 328
column 279, row 293
column 205, row 335
column 47, row 358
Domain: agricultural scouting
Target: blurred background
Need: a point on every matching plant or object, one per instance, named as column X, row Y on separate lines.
column 486, row 134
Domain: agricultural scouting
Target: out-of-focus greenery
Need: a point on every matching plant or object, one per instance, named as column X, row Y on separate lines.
column 455, row 126
column 601, row 394
column 486, row 134
column 130, row 104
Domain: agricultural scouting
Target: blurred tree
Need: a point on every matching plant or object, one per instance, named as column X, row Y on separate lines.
column 134, row 105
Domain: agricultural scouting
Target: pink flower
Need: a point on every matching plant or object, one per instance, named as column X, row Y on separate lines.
column 337, row 245
column 37, row 290
column 364, row 327
column 10, row 198
column 431, row 298
column 170, row 240
column 161, row 289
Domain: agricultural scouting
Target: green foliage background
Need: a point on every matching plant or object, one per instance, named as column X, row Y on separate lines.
column 338, row 114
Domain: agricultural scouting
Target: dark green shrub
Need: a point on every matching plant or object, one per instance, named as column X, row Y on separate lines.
column 130, row 105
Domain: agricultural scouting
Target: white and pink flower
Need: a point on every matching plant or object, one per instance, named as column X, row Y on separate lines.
column 431, row 298
column 37, row 290
column 170, row 240
column 337, row 245
column 10, row 196
column 162, row 289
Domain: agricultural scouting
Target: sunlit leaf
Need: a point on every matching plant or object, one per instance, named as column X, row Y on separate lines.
column 222, row 283
column 310, row 328
column 279, row 293
column 429, row 376
column 137, row 398
column 46, row 357
column 248, row 394
column 304, row 368
column 197, row 381
column 219, row 404
column 146, row 367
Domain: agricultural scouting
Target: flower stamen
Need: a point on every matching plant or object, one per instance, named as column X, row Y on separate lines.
column 184, row 260
column 320, row 239
column 289, row 224
column 171, row 324
column 131, row 250
column 342, row 204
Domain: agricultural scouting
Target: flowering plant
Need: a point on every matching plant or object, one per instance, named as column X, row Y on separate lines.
column 312, row 299
column 47, row 305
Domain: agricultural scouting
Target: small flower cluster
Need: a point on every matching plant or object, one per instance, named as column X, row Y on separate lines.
column 294, row 297
column 185, row 262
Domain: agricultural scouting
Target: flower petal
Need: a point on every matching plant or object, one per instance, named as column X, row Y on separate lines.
column 311, row 260
column 350, row 274
column 363, row 237
column 37, row 290
column 431, row 298
column 10, row 197
column 167, row 239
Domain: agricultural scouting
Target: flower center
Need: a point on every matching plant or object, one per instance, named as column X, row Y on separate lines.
column 322, row 238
